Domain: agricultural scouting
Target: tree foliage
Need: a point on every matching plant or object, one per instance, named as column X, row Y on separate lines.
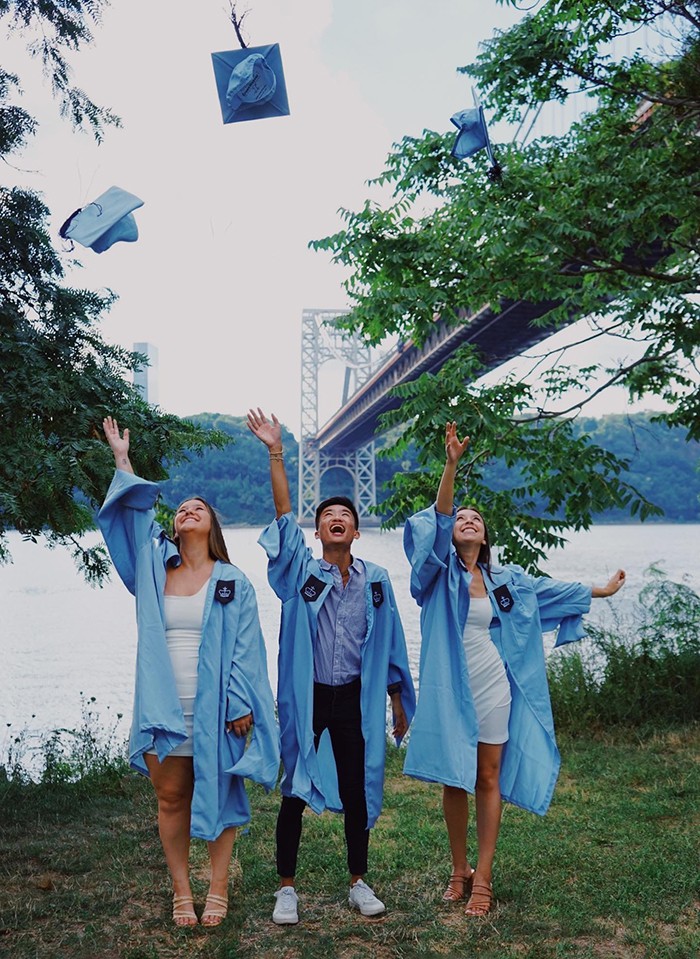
column 601, row 222
column 59, row 378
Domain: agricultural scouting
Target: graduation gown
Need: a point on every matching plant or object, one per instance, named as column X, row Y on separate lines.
column 444, row 735
column 302, row 585
column 232, row 676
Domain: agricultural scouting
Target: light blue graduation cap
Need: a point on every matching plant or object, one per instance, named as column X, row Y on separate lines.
column 250, row 83
column 473, row 135
column 105, row 221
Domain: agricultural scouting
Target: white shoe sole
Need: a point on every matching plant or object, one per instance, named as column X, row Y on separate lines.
column 363, row 912
column 285, row 920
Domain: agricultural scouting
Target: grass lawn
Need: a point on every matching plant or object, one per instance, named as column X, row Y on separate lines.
column 611, row 871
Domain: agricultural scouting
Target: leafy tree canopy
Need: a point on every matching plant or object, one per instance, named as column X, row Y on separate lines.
column 602, row 222
column 59, row 378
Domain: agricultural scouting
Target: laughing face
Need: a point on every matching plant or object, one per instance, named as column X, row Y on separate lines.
column 192, row 515
column 469, row 528
column 336, row 526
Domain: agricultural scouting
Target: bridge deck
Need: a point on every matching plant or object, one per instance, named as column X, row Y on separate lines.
column 499, row 334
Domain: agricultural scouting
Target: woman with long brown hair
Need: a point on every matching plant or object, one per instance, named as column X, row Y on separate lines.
column 201, row 676
column 484, row 721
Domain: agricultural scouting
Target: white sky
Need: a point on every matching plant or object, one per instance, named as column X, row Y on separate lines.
column 221, row 271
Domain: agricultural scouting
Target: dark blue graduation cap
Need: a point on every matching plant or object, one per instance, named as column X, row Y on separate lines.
column 250, row 83
column 105, row 221
column 473, row 135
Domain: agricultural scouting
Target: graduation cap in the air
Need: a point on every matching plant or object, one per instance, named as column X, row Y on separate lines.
column 250, row 83
column 106, row 220
column 473, row 135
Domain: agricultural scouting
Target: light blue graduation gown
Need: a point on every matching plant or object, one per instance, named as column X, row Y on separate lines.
column 444, row 735
column 232, row 676
column 307, row 774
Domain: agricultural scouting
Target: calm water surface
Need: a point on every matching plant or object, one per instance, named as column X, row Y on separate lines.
column 60, row 637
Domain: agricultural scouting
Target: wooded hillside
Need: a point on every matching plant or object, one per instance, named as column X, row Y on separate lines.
column 662, row 465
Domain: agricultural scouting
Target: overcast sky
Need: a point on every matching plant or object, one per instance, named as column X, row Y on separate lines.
column 222, row 271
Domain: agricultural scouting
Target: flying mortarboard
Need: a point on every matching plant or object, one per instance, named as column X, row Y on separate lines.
column 250, row 83
column 473, row 135
column 105, row 221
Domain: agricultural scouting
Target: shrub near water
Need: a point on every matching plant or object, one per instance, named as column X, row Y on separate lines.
column 94, row 752
column 645, row 671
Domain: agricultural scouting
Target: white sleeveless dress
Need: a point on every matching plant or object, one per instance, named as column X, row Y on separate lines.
column 487, row 675
column 183, row 634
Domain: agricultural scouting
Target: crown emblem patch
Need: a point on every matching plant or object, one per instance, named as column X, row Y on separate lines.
column 225, row 591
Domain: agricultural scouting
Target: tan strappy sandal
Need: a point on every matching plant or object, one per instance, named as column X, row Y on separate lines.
column 215, row 910
column 481, row 900
column 183, row 911
column 458, row 887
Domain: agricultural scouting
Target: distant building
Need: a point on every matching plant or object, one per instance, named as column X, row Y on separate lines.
column 146, row 379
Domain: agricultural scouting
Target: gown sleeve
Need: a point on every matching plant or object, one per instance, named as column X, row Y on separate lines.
column 248, row 656
column 127, row 521
column 561, row 607
column 399, row 670
column 427, row 540
column 287, row 555
column 249, row 692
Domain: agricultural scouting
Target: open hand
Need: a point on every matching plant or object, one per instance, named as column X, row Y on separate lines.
column 454, row 447
column 118, row 444
column 270, row 433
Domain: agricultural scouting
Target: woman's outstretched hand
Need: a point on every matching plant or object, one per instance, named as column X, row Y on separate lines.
column 118, row 444
column 269, row 433
column 454, row 447
column 616, row 581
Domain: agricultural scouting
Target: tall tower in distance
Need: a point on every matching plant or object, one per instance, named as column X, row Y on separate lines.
column 146, row 379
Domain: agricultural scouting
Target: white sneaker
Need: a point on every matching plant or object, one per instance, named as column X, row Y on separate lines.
column 362, row 897
column 285, row 911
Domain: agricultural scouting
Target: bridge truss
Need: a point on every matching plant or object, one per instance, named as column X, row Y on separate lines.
column 321, row 342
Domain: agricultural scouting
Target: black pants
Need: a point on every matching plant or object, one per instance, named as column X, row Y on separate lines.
column 336, row 708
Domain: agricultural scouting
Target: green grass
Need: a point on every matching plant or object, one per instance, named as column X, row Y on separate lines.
column 611, row 871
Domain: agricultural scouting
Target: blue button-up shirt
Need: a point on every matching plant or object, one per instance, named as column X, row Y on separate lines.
column 342, row 626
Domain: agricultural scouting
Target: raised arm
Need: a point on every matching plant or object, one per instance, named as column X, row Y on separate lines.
column 616, row 581
column 127, row 517
column 454, row 450
column 270, row 433
column 118, row 444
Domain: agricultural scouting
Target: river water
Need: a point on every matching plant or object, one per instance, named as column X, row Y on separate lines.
column 60, row 638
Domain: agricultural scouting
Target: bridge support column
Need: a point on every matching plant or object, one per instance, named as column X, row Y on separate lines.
column 320, row 342
column 365, row 479
column 309, row 479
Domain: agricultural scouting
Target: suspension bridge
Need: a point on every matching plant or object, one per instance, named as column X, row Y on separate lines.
column 347, row 439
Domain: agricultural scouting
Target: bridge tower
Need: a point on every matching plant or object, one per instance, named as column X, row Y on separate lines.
column 321, row 342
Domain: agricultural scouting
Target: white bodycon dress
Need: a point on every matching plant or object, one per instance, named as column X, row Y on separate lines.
column 183, row 634
column 487, row 674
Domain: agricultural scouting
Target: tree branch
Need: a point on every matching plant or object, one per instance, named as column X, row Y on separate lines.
column 683, row 11
column 590, row 269
column 237, row 21
column 622, row 371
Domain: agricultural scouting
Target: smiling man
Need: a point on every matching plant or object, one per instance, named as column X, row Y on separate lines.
column 342, row 651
